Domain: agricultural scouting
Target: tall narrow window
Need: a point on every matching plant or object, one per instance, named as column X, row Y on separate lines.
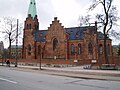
column 27, row 26
column 90, row 48
column 108, row 49
column 29, row 49
column 79, row 49
column 100, row 49
column 55, row 43
column 30, row 26
column 72, row 49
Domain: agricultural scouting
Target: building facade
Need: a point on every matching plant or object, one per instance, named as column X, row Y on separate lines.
column 1, row 49
column 16, row 52
column 57, row 42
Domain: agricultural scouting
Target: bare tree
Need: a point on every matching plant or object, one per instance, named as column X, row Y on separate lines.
column 108, row 17
column 9, row 28
column 84, row 20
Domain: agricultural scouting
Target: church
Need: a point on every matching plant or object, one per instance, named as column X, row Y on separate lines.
column 60, row 43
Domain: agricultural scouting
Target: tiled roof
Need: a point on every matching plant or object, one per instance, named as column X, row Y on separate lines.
column 75, row 33
column 39, row 35
column 101, row 36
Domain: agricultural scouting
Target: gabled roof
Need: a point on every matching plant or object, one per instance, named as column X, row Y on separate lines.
column 40, row 35
column 75, row 33
column 101, row 36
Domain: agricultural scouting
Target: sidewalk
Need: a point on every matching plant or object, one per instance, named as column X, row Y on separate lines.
column 76, row 69
column 76, row 72
column 79, row 72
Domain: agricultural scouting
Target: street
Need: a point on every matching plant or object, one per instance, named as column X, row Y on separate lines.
column 14, row 79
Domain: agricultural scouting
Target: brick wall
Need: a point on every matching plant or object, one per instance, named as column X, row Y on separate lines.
column 112, row 60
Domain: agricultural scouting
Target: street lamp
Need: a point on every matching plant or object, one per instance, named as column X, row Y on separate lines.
column 66, row 49
column 16, row 45
column 40, row 51
column 40, row 56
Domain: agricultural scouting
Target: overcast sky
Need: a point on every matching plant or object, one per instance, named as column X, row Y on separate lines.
column 67, row 11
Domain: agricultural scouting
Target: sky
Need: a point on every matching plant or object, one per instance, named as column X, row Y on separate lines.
column 67, row 11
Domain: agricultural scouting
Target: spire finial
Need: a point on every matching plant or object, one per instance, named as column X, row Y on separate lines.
column 32, row 8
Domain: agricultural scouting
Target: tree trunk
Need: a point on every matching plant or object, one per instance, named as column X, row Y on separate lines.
column 9, row 48
column 105, row 50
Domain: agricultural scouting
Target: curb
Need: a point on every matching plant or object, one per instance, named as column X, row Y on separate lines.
column 75, row 74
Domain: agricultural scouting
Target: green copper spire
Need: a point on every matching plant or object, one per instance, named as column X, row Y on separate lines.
column 32, row 8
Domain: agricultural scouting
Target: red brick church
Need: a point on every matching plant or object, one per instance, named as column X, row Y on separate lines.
column 57, row 42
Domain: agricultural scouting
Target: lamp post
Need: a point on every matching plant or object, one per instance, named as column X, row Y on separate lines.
column 2, row 58
column 40, row 56
column 66, row 49
column 40, row 51
column 16, row 45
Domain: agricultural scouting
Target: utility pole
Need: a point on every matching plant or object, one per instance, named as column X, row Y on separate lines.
column 40, row 55
column 16, row 45
column 40, row 50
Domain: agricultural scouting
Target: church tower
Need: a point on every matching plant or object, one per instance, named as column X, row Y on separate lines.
column 31, row 25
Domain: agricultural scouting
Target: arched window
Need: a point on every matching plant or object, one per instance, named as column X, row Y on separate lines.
column 100, row 49
column 90, row 48
column 108, row 49
column 72, row 49
column 29, row 49
column 55, row 43
column 39, row 50
column 79, row 49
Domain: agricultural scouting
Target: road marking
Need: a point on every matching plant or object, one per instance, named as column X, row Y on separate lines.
column 8, row 80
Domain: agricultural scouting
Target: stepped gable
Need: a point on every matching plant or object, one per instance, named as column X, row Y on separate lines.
column 74, row 33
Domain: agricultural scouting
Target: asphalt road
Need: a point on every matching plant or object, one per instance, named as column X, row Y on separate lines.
column 14, row 79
